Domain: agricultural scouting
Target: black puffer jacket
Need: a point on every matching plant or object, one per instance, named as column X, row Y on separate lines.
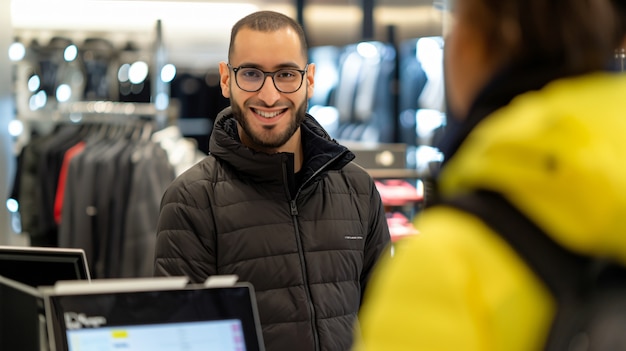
column 308, row 254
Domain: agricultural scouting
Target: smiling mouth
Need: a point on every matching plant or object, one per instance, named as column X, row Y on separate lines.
column 265, row 114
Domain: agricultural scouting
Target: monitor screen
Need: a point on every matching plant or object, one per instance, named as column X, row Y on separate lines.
column 190, row 319
column 223, row 335
column 42, row 266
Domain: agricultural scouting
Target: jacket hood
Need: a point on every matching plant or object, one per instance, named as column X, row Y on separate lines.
column 557, row 154
column 320, row 151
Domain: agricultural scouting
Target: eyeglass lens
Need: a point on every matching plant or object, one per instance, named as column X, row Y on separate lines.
column 285, row 80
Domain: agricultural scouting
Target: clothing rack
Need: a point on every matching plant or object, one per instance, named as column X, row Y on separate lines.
column 95, row 184
column 102, row 112
column 105, row 111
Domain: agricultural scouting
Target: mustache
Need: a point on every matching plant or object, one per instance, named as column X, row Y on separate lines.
column 262, row 104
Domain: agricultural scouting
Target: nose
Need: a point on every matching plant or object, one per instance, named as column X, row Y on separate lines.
column 268, row 93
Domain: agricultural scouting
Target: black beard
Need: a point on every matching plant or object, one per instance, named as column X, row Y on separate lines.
column 260, row 144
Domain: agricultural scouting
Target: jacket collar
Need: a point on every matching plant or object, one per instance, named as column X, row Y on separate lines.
column 320, row 151
column 505, row 85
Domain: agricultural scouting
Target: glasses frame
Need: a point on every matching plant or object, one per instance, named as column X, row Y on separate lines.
column 270, row 74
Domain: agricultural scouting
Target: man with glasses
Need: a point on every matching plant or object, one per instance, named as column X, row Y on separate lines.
column 276, row 202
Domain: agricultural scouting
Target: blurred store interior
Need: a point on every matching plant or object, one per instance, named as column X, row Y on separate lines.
column 379, row 84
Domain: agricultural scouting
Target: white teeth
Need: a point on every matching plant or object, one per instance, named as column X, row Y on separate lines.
column 267, row 114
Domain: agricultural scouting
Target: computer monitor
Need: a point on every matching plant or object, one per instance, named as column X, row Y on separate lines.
column 185, row 318
column 41, row 266
column 22, row 317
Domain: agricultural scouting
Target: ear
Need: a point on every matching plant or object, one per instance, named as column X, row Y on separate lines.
column 225, row 79
column 310, row 79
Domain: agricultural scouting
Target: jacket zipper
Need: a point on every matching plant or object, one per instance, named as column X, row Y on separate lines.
column 294, row 214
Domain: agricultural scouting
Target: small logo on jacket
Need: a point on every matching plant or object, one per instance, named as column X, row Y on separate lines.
column 353, row 237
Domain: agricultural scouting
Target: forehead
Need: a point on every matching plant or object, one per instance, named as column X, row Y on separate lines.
column 267, row 49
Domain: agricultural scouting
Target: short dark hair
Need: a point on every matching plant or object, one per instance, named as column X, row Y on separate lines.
column 577, row 36
column 268, row 21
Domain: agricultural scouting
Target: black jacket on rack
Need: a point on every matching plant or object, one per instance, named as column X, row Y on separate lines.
column 96, row 186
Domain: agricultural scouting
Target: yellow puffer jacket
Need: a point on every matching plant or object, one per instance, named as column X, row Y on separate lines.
column 559, row 155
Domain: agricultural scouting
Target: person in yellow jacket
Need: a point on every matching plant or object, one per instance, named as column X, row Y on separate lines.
column 535, row 115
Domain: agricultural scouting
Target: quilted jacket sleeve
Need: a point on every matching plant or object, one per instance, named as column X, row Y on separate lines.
column 185, row 243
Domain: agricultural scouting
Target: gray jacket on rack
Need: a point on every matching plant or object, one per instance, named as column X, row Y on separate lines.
column 308, row 251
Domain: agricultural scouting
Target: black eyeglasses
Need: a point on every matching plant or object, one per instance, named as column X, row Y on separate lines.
column 286, row 80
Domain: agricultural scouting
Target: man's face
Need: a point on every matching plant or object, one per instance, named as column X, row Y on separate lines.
column 268, row 118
